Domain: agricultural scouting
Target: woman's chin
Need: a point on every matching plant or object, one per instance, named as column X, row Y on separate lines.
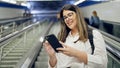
column 70, row 27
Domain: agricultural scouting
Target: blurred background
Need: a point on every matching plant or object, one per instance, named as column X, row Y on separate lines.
column 24, row 22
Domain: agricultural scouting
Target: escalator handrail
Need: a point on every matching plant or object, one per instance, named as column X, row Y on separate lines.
column 115, row 51
column 110, row 22
column 29, row 59
column 13, row 20
column 15, row 34
column 115, row 54
column 107, row 34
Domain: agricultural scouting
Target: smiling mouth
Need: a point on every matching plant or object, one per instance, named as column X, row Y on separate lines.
column 69, row 23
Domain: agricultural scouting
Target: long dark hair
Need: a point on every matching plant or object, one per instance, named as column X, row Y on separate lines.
column 81, row 24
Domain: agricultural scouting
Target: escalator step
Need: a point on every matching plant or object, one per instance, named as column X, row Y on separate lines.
column 7, row 62
column 11, row 58
column 7, row 66
column 41, row 64
column 42, row 59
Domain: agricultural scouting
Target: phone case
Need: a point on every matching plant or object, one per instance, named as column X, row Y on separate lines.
column 53, row 41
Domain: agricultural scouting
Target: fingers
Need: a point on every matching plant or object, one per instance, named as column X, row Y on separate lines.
column 61, row 49
column 46, row 43
column 64, row 47
column 63, row 44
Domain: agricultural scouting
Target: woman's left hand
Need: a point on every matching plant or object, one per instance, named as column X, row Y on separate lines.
column 70, row 51
column 67, row 50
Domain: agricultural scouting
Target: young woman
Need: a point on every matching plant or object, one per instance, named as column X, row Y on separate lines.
column 94, row 20
column 76, row 51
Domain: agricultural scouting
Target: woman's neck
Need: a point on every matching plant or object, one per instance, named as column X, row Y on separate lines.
column 74, row 32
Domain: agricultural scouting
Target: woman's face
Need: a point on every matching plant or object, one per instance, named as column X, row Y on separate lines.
column 70, row 19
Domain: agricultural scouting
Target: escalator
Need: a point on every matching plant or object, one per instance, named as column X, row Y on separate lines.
column 15, row 46
column 23, row 50
column 42, row 59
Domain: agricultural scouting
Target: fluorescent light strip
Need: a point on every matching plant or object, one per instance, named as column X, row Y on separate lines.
column 9, row 1
column 78, row 2
column 44, row 0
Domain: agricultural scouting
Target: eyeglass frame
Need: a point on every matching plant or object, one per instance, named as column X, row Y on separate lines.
column 69, row 15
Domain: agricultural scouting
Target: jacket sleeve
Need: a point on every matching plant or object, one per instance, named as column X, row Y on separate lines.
column 91, row 20
column 99, row 58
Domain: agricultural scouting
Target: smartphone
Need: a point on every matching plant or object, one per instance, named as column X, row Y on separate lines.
column 53, row 41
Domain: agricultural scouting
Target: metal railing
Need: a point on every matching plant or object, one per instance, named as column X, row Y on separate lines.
column 31, row 56
column 10, row 26
column 113, row 46
column 7, row 39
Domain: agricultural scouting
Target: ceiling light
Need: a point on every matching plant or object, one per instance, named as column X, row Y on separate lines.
column 78, row 2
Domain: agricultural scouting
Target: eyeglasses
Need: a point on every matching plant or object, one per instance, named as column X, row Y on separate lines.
column 69, row 15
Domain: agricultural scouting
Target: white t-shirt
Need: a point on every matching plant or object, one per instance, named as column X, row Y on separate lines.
column 97, row 60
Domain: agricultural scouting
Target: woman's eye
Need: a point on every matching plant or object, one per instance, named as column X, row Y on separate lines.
column 70, row 14
column 64, row 17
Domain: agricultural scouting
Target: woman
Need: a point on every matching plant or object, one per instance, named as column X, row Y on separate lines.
column 95, row 20
column 76, row 51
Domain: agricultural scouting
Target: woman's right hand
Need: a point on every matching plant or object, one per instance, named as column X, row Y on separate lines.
column 51, row 53
column 49, row 49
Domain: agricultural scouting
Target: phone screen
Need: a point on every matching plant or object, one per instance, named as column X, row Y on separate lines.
column 53, row 41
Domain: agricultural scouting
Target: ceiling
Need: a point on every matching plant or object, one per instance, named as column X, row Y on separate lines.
column 55, row 5
column 49, row 5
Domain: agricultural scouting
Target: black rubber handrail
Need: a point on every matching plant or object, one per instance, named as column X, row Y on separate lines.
column 115, row 51
column 13, row 20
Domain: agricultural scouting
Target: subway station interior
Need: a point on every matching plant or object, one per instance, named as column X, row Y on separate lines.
column 25, row 23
